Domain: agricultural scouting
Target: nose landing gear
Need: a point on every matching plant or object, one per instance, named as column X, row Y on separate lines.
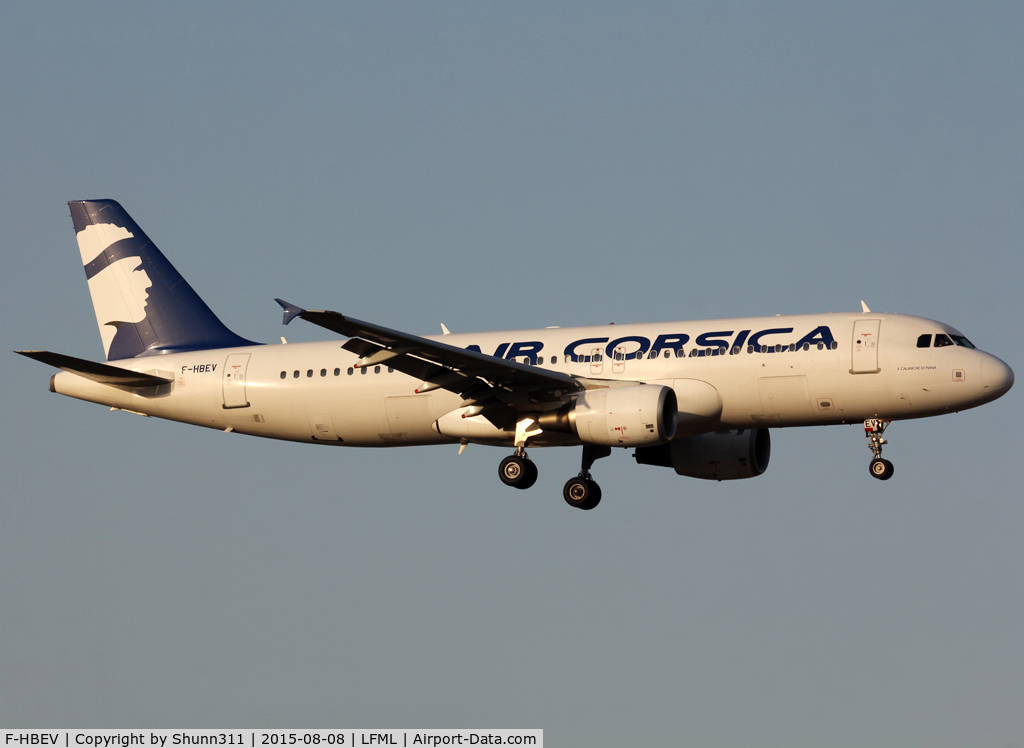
column 582, row 491
column 873, row 430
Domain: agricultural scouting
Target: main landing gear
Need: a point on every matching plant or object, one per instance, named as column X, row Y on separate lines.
column 518, row 470
column 873, row 430
column 582, row 491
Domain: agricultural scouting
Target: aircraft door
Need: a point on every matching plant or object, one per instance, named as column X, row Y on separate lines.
column 234, row 381
column 619, row 360
column 865, row 347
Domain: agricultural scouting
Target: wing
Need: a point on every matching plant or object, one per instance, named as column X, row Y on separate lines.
column 102, row 373
column 497, row 386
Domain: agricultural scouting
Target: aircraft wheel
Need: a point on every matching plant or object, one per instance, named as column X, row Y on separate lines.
column 581, row 493
column 517, row 472
column 881, row 469
column 531, row 475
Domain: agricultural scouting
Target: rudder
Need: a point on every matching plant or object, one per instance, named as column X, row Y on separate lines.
column 143, row 306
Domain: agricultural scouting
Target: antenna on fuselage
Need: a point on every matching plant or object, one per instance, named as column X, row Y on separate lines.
column 864, row 307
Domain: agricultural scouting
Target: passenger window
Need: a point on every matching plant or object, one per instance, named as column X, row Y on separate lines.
column 941, row 341
column 363, row 370
column 821, row 346
column 296, row 374
column 391, row 369
column 681, row 353
column 309, row 372
column 350, row 371
column 284, row 374
column 807, row 346
column 750, row 349
column 568, row 359
column 323, row 372
column 376, row 370
column 337, row 372
column 924, row 341
column 834, row 345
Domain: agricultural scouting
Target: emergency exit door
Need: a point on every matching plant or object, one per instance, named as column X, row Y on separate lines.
column 865, row 346
column 234, row 381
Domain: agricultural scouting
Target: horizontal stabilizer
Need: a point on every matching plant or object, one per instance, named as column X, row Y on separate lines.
column 102, row 373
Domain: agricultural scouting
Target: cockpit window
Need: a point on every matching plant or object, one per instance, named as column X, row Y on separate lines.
column 962, row 341
column 941, row 341
column 924, row 341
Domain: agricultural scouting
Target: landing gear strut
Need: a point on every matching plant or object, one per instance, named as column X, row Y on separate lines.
column 517, row 470
column 873, row 430
column 582, row 492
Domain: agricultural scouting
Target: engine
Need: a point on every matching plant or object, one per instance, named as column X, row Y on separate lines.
column 634, row 416
column 716, row 456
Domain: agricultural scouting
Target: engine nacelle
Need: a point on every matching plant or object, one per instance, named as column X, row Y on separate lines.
column 716, row 456
column 633, row 416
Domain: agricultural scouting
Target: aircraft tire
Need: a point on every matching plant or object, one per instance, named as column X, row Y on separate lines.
column 531, row 475
column 517, row 472
column 595, row 498
column 581, row 493
column 881, row 469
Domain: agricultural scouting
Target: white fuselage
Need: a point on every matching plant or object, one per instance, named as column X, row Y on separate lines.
column 309, row 392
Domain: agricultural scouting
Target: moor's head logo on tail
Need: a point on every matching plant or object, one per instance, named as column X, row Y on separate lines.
column 119, row 287
column 143, row 306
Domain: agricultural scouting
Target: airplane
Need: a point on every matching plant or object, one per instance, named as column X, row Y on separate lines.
column 699, row 397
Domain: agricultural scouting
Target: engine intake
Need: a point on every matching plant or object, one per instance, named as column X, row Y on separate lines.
column 717, row 456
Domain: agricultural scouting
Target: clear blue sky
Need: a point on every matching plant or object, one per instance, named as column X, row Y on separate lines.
column 490, row 166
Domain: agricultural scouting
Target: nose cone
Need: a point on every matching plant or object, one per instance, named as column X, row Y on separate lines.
column 996, row 377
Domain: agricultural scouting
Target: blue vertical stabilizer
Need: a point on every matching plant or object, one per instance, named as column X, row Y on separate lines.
column 143, row 305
